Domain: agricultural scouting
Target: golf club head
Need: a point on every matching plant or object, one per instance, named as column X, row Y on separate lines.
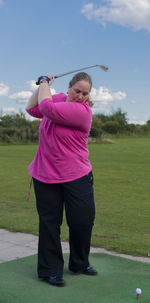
column 105, row 68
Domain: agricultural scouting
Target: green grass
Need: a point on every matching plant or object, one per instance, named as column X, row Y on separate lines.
column 122, row 193
column 116, row 283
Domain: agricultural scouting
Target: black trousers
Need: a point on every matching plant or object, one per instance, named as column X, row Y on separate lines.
column 78, row 198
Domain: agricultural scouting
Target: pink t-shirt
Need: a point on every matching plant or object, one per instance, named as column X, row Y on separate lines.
column 62, row 153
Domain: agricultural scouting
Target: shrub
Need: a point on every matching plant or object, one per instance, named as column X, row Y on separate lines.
column 96, row 128
column 111, row 127
column 145, row 128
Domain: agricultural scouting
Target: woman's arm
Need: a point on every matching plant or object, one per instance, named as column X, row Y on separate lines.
column 41, row 93
column 44, row 90
column 32, row 105
column 73, row 114
column 33, row 101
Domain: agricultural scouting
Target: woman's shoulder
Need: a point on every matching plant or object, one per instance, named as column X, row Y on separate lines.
column 61, row 97
column 88, row 107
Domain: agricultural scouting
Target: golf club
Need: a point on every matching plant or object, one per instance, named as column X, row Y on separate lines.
column 103, row 67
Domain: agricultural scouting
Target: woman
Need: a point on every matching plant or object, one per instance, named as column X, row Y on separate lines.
column 62, row 176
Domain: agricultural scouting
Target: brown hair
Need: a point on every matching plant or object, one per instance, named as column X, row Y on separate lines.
column 79, row 77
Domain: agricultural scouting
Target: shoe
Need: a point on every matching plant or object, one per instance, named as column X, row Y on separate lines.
column 90, row 271
column 56, row 281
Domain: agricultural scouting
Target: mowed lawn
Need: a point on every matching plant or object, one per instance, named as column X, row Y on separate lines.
column 122, row 193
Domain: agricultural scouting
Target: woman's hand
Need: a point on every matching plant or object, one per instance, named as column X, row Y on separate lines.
column 44, row 90
column 52, row 78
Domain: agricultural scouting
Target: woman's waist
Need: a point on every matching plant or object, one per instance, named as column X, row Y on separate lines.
column 59, row 172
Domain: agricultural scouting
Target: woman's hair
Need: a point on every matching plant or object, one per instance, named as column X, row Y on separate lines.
column 79, row 77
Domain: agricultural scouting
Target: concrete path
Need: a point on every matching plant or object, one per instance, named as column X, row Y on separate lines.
column 19, row 245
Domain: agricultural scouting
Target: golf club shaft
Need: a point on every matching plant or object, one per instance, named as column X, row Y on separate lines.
column 105, row 68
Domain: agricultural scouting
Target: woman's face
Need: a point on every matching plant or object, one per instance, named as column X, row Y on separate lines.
column 79, row 92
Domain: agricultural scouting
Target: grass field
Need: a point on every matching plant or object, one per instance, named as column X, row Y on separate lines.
column 122, row 193
column 116, row 283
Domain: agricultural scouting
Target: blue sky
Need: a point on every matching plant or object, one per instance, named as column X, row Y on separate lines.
column 51, row 37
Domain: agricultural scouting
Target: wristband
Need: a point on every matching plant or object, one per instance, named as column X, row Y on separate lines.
column 42, row 79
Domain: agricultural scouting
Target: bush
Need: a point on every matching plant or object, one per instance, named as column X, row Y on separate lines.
column 145, row 128
column 17, row 129
column 96, row 128
column 111, row 127
column 119, row 117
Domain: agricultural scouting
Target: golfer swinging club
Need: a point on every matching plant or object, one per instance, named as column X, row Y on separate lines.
column 62, row 176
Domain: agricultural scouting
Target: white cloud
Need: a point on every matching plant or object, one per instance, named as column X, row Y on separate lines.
column 21, row 97
column 22, row 101
column 105, row 96
column 32, row 85
column 135, row 70
column 8, row 110
column 136, row 121
column 4, row 89
column 129, row 13
column 133, row 101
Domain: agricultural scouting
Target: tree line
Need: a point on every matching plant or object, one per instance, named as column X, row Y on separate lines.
column 16, row 128
column 117, row 123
